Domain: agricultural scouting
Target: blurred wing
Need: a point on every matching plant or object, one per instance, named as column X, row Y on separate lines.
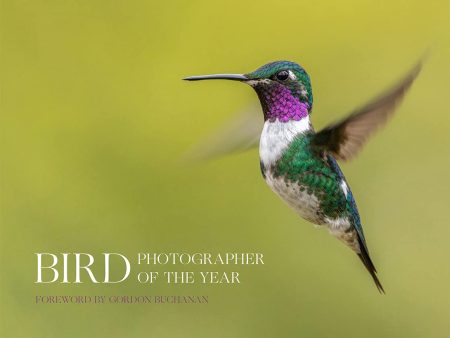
column 239, row 134
column 345, row 139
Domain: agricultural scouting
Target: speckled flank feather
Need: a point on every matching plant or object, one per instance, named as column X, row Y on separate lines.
column 300, row 164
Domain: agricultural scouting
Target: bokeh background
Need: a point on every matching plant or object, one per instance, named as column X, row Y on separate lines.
column 95, row 120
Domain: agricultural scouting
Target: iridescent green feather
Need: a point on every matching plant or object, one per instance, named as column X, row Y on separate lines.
column 301, row 164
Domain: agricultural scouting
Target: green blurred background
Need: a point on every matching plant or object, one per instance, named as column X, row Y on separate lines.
column 95, row 119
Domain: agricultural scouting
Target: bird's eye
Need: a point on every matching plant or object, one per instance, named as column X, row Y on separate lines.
column 282, row 75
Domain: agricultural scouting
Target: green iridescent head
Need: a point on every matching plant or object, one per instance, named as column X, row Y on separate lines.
column 289, row 74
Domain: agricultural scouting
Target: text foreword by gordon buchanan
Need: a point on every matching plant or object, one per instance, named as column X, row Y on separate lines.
column 81, row 267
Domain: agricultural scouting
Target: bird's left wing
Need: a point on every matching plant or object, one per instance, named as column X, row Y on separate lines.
column 345, row 138
column 239, row 134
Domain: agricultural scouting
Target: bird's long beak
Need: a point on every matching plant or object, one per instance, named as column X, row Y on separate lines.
column 235, row 77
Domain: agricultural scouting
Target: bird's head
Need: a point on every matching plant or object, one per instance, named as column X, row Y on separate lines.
column 283, row 88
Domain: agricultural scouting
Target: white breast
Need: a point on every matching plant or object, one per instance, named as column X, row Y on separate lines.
column 276, row 137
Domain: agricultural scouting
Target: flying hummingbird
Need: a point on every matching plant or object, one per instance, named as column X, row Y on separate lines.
column 299, row 164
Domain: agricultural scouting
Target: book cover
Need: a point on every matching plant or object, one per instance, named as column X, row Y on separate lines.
column 137, row 204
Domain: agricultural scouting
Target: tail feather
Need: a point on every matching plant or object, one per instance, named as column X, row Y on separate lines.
column 365, row 259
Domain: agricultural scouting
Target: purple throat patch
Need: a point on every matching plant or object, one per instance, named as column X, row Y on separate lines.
column 282, row 105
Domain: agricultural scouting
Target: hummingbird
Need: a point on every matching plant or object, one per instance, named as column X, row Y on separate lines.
column 300, row 164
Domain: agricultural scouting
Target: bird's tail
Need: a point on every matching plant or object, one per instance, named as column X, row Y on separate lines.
column 365, row 258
